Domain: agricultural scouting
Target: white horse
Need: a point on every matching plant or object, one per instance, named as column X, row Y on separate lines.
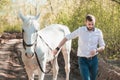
column 40, row 43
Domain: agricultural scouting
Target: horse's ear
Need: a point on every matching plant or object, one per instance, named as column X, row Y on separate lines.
column 37, row 16
column 21, row 16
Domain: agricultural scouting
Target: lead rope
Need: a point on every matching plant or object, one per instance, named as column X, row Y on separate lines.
column 41, row 66
column 47, row 45
column 45, row 42
column 39, row 61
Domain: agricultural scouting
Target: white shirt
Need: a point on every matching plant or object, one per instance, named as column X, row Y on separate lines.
column 87, row 40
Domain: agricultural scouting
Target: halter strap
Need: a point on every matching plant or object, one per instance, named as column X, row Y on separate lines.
column 28, row 45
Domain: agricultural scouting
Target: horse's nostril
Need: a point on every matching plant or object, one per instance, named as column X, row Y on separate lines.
column 29, row 55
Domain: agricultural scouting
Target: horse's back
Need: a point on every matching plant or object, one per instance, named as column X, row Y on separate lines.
column 54, row 33
column 56, row 28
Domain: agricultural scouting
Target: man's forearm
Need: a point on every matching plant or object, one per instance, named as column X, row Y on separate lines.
column 62, row 43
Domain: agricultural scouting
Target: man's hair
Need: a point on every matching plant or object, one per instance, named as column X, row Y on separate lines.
column 90, row 17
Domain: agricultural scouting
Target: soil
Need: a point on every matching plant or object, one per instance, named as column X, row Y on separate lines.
column 12, row 67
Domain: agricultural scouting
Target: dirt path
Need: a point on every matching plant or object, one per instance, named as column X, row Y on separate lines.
column 12, row 68
column 11, row 65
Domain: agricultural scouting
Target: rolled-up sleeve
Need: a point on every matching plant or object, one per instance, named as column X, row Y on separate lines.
column 73, row 35
column 101, row 40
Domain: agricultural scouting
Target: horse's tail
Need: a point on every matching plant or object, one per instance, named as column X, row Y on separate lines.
column 65, row 30
column 68, row 44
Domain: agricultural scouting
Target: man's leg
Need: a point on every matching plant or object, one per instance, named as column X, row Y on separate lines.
column 94, row 68
column 84, row 69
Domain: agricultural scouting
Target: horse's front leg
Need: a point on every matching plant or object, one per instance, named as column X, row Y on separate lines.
column 43, row 66
column 30, row 73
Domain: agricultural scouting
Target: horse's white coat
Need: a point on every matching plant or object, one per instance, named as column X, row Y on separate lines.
column 51, row 35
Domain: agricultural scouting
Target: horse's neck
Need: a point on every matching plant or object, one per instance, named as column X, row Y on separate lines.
column 44, row 50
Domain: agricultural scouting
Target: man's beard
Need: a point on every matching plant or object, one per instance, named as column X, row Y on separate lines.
column 90, row 29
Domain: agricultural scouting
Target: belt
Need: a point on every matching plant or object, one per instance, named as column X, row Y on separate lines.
column 89, row 58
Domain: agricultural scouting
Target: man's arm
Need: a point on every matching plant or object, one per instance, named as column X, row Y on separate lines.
column 72, row 35
column 62, row 42
column 59, row 46
column 101, row 45
column 100, row 49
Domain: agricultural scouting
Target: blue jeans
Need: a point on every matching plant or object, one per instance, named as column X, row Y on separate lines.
column 88, row 68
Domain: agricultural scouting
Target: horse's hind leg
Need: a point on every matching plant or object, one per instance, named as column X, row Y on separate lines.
column 66, row 55
column 55, row 68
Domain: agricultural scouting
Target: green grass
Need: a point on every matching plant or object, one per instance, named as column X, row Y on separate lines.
column 12, row 29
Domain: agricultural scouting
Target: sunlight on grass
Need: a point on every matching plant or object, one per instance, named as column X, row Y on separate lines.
column 12, row 29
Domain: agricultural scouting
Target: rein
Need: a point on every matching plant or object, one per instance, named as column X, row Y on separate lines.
column 45, row 42
column 35, row 43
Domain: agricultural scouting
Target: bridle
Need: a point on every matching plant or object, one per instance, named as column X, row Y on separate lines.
column 29, row 45
column 25, row 44
column 34, row 44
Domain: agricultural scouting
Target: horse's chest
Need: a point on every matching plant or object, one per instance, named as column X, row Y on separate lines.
column 31, row 63
column 49, row 56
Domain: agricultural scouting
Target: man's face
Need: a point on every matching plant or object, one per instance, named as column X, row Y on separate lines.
column 90, row 25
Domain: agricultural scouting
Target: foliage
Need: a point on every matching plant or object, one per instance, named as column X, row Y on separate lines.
column 72, row 13
column 3, row 3
column 12, row 29
column 118, row 1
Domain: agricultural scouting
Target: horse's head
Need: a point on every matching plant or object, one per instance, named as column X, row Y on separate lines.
column 29, row 28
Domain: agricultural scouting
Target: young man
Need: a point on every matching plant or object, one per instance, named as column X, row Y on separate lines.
column 90, row 42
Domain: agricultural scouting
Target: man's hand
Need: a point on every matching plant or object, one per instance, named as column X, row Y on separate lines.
column 54, row 52
column 93, row 52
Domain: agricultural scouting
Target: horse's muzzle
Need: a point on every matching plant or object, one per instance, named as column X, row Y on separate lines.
column 29, row 55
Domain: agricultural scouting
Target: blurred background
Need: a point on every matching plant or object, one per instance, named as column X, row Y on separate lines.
column 72, row 14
